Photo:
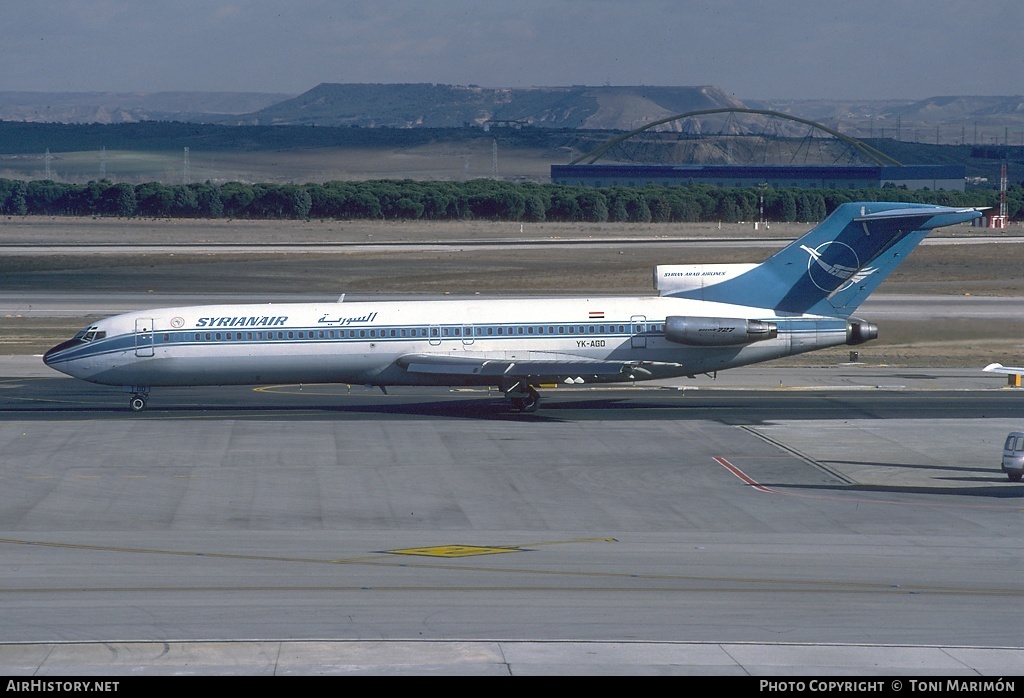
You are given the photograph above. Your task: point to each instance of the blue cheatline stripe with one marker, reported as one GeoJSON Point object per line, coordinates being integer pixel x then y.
{"type": "Point", "coordinates": [181, 338]}
{"type": "Point", "coordinates": [185, 338]}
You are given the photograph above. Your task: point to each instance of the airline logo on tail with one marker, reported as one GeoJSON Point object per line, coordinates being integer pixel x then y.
{"type": "Point", "coordinates": [844, 268]}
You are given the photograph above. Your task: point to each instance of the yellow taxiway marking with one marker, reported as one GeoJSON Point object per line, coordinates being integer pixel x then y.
{"type": "Point", "coordinates": [471, 550]}
{"type": "Point", "coordinates": [455, 551]}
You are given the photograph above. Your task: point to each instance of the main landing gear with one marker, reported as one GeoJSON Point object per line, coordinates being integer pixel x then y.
{"type": "Point", "coordinates": [525, 398]}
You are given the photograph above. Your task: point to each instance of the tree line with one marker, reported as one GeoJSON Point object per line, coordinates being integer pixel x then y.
{"type": "Point", "coordinates": [481, 199]}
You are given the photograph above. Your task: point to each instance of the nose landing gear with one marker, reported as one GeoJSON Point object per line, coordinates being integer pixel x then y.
{"type": "Point", "coordinates": [138, 399]}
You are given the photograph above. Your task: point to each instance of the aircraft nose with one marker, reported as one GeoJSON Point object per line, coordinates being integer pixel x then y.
{"type": "Point", "coordinates": [54, 351]}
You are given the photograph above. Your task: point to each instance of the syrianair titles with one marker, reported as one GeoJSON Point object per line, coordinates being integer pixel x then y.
{"type": "Point", "coordinates": [236, 321]}
{"type": "Point", "coordinates": [705, 318]}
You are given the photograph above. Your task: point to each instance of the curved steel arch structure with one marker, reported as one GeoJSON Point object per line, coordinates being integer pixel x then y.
{"type": "Point", "coordinates": [876, 156]}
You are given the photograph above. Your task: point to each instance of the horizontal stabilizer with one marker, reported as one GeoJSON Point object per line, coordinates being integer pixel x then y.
{"type": "Point", "coordinates": [918, 213]}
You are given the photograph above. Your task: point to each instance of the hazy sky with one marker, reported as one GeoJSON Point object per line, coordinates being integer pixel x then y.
{"type": "Point", "coordinates": [857, 49]}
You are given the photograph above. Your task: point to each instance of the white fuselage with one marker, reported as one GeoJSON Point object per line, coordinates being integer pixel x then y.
{"type": "Point", "coordinates": [363, 342]}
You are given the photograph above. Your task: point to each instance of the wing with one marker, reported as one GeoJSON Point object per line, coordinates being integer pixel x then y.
{"type": "Point", "coordinates": [531, 365]}
{"type": "Point", "coordinates": [999, 368]}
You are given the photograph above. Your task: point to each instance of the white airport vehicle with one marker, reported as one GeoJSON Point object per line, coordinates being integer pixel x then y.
{"type": "Point", "coordinates": [1013, 455]}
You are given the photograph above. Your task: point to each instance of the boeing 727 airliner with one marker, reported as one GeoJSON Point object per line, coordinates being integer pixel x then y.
{"type": "Point", "coordinates": [705, 318]}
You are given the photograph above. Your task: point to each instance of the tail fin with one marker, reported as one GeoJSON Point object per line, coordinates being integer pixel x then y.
{"type": "Point", "coordinates": [835, 266]}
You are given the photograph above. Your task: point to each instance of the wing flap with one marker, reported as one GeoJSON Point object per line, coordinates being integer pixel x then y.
{"type": "Point", "coordinates": [496, 367]}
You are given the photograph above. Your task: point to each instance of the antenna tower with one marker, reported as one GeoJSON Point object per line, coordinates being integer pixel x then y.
{"type": "Point", "coordinates": [1002, 193]}
{"type": "Point", "coordinates": [186, 174]}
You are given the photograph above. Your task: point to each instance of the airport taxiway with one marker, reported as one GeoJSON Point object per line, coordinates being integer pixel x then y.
{"type": "Point", "coordinates": [844, 520]}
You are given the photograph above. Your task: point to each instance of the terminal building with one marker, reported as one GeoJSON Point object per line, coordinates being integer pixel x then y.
{"type": "Point", "coordinates": [934, 177]}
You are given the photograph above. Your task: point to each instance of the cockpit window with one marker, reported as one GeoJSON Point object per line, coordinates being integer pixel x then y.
{"type": "Point", "coordinates": [89, 334]}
